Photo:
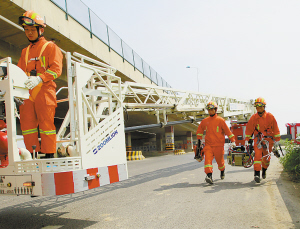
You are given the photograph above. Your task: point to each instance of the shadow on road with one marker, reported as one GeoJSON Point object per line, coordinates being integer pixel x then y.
{"type": "Point", "coordinates": [216, 187]}
{"type": "Point", "coordinates": [243, 170]}
{"type": "Point", "coordinates": [37, 212]}
{"type": "Point", "coordinates": [36, 218]}
{"type": "Point", "coordinates": [290, 193]}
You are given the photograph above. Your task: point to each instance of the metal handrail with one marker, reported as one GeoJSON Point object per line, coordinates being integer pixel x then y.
{"type": "Point", "coordinates": [149, 73]}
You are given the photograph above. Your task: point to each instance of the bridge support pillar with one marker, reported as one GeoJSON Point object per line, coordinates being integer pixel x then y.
{"type": "Point", "coordinates": [128, 142]}
{"type": "Point", "coordinates": [189, 140]}
{"type": "Point", "coordinates": [169, 134]}
{"type": "Point", "coordinates": [159, 143]}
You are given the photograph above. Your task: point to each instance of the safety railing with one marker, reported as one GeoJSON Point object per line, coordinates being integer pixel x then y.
{"type": "Point", "coordinates": [88, 19]}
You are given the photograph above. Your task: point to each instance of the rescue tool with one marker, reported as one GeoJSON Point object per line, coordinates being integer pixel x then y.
{"type": "Point", "coordinates": [244, 155]}
{"type": "Point", "coordinates": [241, 156]}
{"type": "Point", "coordinates": [199, 153]}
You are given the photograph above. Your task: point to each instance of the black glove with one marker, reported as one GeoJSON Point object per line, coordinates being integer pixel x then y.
{"type": "Point", "coordinates": [198, 149]}
{"type": "Point", "coordinates": [199, 154]}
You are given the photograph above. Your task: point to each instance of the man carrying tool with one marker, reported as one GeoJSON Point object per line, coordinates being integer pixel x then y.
{"type": "Point", "coordinates": [42, 62]}
{"type": "Point", "coordinates": [215, 128]}
{"type": "Point", "coordinates": [266, 133]}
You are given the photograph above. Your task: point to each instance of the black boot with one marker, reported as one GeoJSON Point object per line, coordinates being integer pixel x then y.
{"type": "Point", "coordinates": [264, 173]}
{"type": "Point", "coordinates": [222, 175]}
{"type": "Point", "coordinates": [257, 176]}
{"type": "Point", "coordinates": [209, 179]}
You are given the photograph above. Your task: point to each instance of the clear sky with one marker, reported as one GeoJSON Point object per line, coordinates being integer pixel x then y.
{"type": "Point", "coordinates": [242, 48]}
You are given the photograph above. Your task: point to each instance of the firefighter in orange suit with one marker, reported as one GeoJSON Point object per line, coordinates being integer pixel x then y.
{"type": "Point", "coordinates": [215, 128]}
{"type": "Point", "coordinates": [264, 127]}
{"type": "Point", "coordinates": [42, 62]}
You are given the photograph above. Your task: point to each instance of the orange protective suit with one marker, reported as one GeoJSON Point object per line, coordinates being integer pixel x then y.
{"type": "Point", "coordinates": [39, 110]}
{"type": "Point", "coordinates": [266, 125]}
{"type": "Point", "coordinates": [215, 128]}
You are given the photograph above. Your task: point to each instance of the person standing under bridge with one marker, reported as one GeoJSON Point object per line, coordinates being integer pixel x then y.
{"type": "Point", "coordinates": [42, 63]}
{"type": "Point", "coordinates": [215, 128]}
{"type": "Point", "coordinates": [266, 134]}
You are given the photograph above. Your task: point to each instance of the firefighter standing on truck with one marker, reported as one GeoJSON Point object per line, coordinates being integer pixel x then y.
{"type": "Point", "coordinates": [263, 126]}
{"type": "Point", "coordinates": [42, 62]}
{"type": "Point", "coordinates": [215, 128]}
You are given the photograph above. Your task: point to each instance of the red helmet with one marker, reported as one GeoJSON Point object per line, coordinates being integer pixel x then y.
{"type": "Point", "coordinates": [260, 102]}
{"type": "Point", "coordinates": [31, 18]}
{"type": "Point", "coordinates": [211, 105]}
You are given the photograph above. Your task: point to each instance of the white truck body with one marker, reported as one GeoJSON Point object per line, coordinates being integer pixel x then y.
{"type": "Point", "coordinates": [97, 136]}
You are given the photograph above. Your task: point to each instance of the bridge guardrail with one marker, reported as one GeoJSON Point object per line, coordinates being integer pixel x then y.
{"type": "Point", "coordinates": [88, 19]}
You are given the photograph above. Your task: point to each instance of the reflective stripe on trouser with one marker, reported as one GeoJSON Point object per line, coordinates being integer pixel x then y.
{"type": "Point", "coordinates": [258, 160]}
{"type": "Point", "coordinates": [38, 114]}
{"type": "Point", "coordinates": [210, 152]}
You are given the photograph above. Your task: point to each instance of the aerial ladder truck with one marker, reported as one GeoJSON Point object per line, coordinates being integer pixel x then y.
{"type": "Point", "coordinates": [98, 140]}
{"type": "Point", "coordinates": [93, 128]}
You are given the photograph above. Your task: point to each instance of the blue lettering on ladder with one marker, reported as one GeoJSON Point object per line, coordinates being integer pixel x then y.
{"type": "Point", "coordinates": [102, 144]}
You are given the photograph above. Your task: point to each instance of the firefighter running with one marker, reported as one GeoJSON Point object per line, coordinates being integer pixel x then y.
{"type": "Point", "coordinates": [42, 62]}
{"type": "Point", "coordinates": [266, 133]}
{"type": "Point", "coordinates": [215, 128]}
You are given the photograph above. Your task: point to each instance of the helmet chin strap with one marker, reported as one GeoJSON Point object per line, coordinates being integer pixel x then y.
{"type": "Point", "coordinates": [261, 113]}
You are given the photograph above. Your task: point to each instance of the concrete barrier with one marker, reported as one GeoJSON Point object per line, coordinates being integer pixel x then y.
{"type": "Point", "coordinates": [155, 153]}
{"type": "Point", "coordinates": [179, 151]}
{"type": "Point", "coordinates": [134, 155]}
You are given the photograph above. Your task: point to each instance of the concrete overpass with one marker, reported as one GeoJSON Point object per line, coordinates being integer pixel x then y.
{"type": "Point", "coordinates": [76, 28]}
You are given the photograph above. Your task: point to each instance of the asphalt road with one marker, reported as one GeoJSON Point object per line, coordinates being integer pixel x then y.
{"type": "Point", "coordinates": [164, 192]}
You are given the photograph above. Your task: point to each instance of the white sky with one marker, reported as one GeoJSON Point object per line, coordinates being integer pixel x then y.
{"type": "Point", "coordinates": [242, 48]}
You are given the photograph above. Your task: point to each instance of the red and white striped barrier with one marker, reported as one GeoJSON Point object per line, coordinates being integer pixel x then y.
{"type": "Point", "coordinates": [63, 183]}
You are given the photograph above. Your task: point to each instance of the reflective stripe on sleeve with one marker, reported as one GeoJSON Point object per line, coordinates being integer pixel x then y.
{"type": "Point", "coordinates": [52, 73]}
{"type": "Point", "coordinates": [231, 136]}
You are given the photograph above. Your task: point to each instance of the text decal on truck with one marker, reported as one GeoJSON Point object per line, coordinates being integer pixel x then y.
{"type": "Point", "coordinates": [102, 144]}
